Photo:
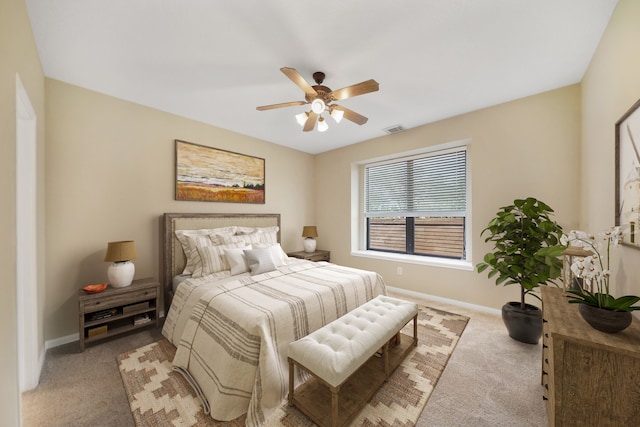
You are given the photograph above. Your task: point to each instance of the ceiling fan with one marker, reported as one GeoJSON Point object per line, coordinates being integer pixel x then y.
{"type": "Point", "coordinates": [321, 97]}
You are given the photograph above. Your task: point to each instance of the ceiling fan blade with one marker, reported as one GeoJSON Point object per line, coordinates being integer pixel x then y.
{"type": "Point", "coordinates": [311, 122]}
{"type": "Point", "coordinates": [299, 81]}
{"type": "Point", "coordinates": [355, 90]}
{"type": "Point", "coordinates": [351, 115]}
{"type": "Point", "coordinates": [282, 105]}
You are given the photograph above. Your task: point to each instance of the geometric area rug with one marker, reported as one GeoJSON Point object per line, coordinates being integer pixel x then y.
{"type": "Point", "coordinates": [158, 396]}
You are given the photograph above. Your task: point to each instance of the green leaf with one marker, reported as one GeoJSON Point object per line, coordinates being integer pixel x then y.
{"type": "Point", "coordinates": [489, 258]}
{"type": "Point", "coordinates": [510, 218]}
{"type": "Point", "coordinates": [624, 303]}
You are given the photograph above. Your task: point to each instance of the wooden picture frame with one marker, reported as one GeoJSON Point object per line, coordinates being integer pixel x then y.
{"type": "Point", "coordinates": [213, 175]}
{"type": "Point", "coordinates": [628, 175]}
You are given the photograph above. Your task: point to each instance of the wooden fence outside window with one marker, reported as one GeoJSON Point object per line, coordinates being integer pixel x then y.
{"type": "Point", "coordinates": [443, 237]}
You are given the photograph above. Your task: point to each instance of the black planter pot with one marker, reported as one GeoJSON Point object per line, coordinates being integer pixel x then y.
{"type": "Point", "coordinates": [605, 320]}
{"type": "Point", "coordinates": [523, 325]}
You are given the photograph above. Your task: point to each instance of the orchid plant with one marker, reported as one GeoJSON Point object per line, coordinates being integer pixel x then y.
{"type": "Point", "coordinates": [595, 270]}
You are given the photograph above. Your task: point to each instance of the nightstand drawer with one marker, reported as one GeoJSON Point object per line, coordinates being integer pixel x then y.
{"type": "Point", "coordinates": [92, 305]}
{"type": "Point", "coordinates": [318, 255]}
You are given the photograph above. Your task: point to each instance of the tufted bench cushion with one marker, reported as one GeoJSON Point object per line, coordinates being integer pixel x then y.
{"type": "Point", "coordinates": [340, 354]}
{"type": "Point", "coordinates": [337, 350]}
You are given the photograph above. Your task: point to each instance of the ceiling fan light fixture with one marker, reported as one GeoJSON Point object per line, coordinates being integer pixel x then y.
{"type": "Point", "coordinates": [337, 114]}
{"type": "Point", "coordinates": [302, 118]}
{"type": "Point", "coordinates": [322, 125]}
{"type": "Point", "coordinates": [320, 98]}
{"type": "Point", "coordinates": [318, 106]}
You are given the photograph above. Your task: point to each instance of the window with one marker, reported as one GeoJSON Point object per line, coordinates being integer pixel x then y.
{"type": "Point", "coordinates": [418, 205]}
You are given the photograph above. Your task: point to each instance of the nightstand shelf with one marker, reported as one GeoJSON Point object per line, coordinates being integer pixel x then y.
{"type": "Point", "coordinates": [318, 255]}
{"type": "Point", "coordinates": [113, 311]}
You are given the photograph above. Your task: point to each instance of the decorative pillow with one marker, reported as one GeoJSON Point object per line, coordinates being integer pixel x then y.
{"type": "Point", "coordinates": [247, 239]}
{"type": "Point", "coordinates": [237, 260]}
{"type": "Point", "coordinates": [189, 249]}
{"type": "Point", "coordinates": [260, 260]}
{"type": "Point", "coordinates": [269, 234]}
{"type": "Point", "coordinates": [213, 259]}
{"type": "Point", "coordinates": [277, 254]}
{"type": "Point", "coordinates": [216, 238]}
{"type": "Point", "coordinates": [191, 253]}
{"type": "Point", "coordinates": [245, 230]}
{"type": "Point", "coordinates": [260, 235]}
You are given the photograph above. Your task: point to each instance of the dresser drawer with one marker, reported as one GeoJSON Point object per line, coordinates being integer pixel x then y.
{"type": "Point", "coordinates": [320, 257]}
{"type": "Point", "coordinates": [97, 304]}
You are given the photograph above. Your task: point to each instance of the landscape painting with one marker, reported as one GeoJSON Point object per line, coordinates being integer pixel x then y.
{"type": "Point", "coordinates": [628, 175]}
{"type": "Point", "coordinates": [213, 175]}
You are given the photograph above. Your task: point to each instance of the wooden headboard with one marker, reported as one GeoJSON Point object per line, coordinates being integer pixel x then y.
{"type": "Point", "coordinates": [173, 258]}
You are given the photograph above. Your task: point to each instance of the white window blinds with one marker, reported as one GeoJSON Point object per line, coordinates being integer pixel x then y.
{"type": "Point", "coordinates": [428, 185]}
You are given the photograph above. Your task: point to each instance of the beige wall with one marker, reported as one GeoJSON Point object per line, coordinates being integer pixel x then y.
{"type": "Point", "coordinates": [111, 175]}
{"type": "Point", "coordinates": [610, 87]}
{"type": "Point", "coordinates": [522, 148]}
{"type": "Point", "coordinates": [18, 54]}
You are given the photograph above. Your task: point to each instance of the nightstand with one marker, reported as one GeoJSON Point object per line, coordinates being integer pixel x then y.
{"type": "Point", "coordinates": [318, 255]}
{"type": "Point", "coordinates": [115, 311]}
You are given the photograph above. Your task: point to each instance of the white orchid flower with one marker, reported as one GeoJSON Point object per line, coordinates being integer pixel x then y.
{"type": "Point", "coordinates": [594, 269]}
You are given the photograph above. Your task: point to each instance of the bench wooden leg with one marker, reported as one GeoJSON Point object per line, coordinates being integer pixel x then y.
{"type": "Point", "coordinates": [385, 356]}
{"type": "Point", "coordinates": [415, 330]}
{"type": "Point", "coordinates": [291, 374]}
{"type": "Point", "coordinates": [334, 405]}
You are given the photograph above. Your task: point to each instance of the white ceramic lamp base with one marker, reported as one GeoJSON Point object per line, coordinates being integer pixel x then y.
{"type": "Point", "coordinates": [309, 244]}
{"type": "Point", "coordinates": [120, 274]}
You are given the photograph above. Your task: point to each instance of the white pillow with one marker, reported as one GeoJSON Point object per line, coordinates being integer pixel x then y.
{"type": "Point", "coordinates": [245, 230]}
{"type": "Point", "coordinates": [260, 260]}
{"type": "Point", "coordinates": [189, 247]}
{"type": "Point", "coordinates": [247, 239]}
{"type": "Point", "coordinates": [237, 260]}
{"type": "Point", "coordinates": [269, 234]}
{"type": "Point", "coordinates": [213, 259]}
{"type": "Point", "coordinates": [277, 254]}
{"type": "Point", "coordinates": [191, 253]}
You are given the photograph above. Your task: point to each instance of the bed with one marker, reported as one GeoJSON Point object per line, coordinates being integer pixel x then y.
{"type": "Point", "coordinates": [231, 330]}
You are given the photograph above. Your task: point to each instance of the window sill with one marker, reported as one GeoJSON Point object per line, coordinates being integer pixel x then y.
{"type": "Point", "coordinates": [415, 259]}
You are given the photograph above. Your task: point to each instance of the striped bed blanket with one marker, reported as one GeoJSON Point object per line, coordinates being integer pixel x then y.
{"type": "Point", "coordinates": [232, 334]}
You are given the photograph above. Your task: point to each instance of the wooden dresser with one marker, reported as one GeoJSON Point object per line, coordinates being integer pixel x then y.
{"type": "Point", "coordinates": [590, 378]}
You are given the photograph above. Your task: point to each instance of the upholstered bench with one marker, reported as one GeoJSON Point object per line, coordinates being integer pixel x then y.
{"type": "Point", "coordinates": [356, 354]}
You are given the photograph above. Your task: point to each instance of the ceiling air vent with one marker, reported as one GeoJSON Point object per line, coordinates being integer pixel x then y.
{"type": "Point", "coordinates": [394, 129]}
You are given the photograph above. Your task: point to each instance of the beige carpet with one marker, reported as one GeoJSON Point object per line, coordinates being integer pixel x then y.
{"type": "Point", "coordinates": [158, 396]}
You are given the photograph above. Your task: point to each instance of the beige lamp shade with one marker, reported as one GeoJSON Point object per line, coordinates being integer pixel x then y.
{"type": "Point", "coordinates": [309, 231]}
{"type": "Point", "coordinates": [121, 251]}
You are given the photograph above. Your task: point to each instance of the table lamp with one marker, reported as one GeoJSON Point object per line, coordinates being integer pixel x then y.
{"type": "Point", "coordinates": [309, 232]}
{"type": "Point", "coordinates": [121, 269]}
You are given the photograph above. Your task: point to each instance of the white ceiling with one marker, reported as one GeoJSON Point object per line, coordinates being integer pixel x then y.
{"type": "Point", "coordinates": [215, 61]}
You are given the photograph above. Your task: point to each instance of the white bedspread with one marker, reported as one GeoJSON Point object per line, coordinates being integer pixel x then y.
{"type": "Point", "coordinates": [232, 334]}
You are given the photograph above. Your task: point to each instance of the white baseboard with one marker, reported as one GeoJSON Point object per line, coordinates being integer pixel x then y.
{"type": "Point", "coordinates": [463, 304]}
{"type": "Point", "coordinates": [56, 342]}
{"type": "Point", "coordinates": [41, 358]}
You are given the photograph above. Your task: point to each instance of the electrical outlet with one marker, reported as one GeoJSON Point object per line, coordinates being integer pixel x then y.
{"type": "Point", "coordinates": [399, 271]}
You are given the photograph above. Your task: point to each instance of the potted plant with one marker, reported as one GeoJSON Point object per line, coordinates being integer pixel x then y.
{"type": "Point", "coordinates": [598, 307]}
{"type": "Point", "coordinates": [526, 252]}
